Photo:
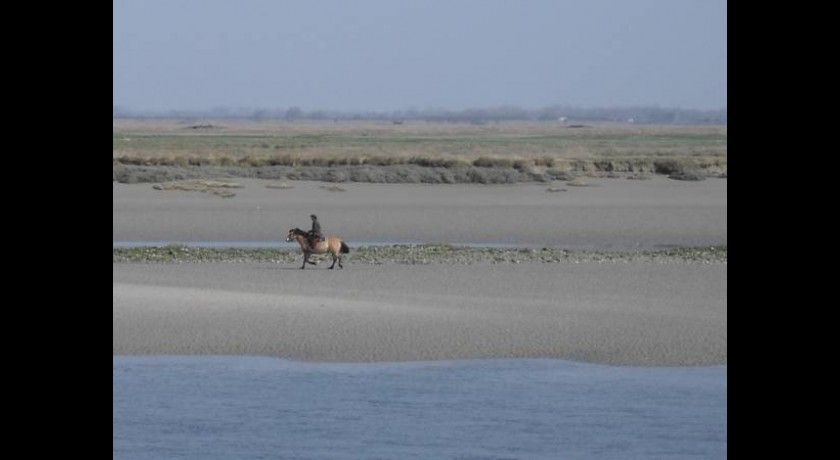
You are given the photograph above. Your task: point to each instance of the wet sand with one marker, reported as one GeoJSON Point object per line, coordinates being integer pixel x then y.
{"type": "Point", "coordinates": [607, 214]}
{"type": "Point", "coordinates": [636, 313]}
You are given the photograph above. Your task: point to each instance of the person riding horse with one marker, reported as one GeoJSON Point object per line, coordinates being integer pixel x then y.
{"type": "Point", "coordinates": [315, 234]}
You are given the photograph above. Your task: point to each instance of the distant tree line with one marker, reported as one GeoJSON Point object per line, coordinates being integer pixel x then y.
{"type": "Point", "coordinates": [558, 113]}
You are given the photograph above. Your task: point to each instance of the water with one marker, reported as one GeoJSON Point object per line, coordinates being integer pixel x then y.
{"type": "Point", "coordinates": [251, 407]}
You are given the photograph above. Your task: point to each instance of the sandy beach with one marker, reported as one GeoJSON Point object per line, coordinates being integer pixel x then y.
{"type": "Point", "coordinates": [634, 313]}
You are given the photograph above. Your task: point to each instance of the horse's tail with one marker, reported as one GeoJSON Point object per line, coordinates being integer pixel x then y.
{"type": "Point", "coordinates": [344, 248]}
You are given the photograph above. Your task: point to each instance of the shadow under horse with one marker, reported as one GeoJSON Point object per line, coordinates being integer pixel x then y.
{"type": "Point", "coordinates": [331, 244]}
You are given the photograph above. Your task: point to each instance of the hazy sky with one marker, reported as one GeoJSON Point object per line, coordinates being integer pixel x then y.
{"type": "Point", "coordinates": [383, 55]}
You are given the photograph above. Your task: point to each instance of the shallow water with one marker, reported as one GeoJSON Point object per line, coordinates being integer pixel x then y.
{"type": "Point", "coordinates": [253, 407]}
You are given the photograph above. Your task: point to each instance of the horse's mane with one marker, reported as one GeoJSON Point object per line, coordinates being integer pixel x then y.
{"type": "Point", "coordinates": [297, 231]}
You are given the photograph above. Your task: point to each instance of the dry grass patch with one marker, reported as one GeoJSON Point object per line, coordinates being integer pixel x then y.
{"type": "Point", "coordinates": [280, 186]}
{"type": "Point", "coordinates": [578, 183]}
{"type": "Point", "coordinates": [332, 188]}
{"type": "Point", "coordinates": [218, 188]}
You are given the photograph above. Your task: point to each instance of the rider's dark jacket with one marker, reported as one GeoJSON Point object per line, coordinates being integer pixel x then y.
{"type": "Point", "coordinates": [316, 229]}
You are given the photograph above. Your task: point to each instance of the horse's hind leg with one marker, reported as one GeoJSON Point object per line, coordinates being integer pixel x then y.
{"type": "Point", "coordinates": [334, 259]}
{"type": "Point", "coordinates": [339, 263]}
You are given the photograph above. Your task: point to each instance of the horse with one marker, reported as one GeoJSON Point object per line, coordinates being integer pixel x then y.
{"type": "Point", "coordinates": [332, 244]}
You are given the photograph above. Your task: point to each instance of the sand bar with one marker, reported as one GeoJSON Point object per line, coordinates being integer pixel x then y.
{"type": "Point", "coordinates": [634, 313]}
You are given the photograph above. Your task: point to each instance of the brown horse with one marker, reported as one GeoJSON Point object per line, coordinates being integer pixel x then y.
{"type": "Point", "coordinates": [332, 244]}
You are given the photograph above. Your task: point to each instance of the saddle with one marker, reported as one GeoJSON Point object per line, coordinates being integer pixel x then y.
{"type": "Point", "coordinates": [313, 240]}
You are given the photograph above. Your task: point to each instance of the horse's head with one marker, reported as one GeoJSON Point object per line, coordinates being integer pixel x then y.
{"type": "Point", "coordinates": [292, 232]}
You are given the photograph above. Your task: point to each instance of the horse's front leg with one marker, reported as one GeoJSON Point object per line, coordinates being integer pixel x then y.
{"type": "Point", "coordinates": [305, 259]}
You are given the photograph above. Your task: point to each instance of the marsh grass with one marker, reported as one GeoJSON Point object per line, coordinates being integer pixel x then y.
{"type": "Point", "coordinates": [538, 149]}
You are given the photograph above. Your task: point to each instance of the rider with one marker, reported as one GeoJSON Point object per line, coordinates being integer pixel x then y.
{"type": "Point", "coordinates": [315, 234]}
